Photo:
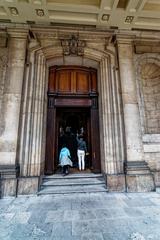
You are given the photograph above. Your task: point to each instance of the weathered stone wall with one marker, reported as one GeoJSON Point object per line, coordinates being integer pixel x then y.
{"type": "Point", "coordinates": [150, 75]}
{"type": "Point", "coordinates": [12, 60]}
{"type": "Point", "coordinates": [151, 144]}
{"type": "Point", "coordinates": [46, 50]}
{"type": "Point", "coordinates": [148, 81]}
{"type": "Point", "coordinates": [123, 126]}
{"type": "Point", "coordinates": [148, 86]}
{"type": "Point", "coordinates": [11, 86]}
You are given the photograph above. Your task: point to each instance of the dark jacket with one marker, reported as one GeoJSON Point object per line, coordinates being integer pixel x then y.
{"type": "Point", "coordinates": [81, 144]}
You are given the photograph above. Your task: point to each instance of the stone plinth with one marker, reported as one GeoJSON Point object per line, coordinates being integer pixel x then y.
{"type": "Point", "coordinates": [116, 183]}
{"type": "Point", "coordinates": [8, 187]}
{"type": "Point", "coordinates": [157, 178]}
{"type": "Point", "coordinates": [8, 174]}
{"type": "Point", "coordinates": [28, 185]}
{"type": "Point", "coordinates": [139, 177]}
{"type": "Point", "coordinates": [140, 183]}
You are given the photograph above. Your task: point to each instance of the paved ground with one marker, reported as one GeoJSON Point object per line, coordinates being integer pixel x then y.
{"type": "Point", "coordinates": [94, 216]}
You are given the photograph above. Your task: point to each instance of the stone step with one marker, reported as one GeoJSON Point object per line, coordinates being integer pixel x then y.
{"type": "Point", "coordinates": [73, 181]}
{"type": "Point", "coordinates": [74, 175]}
{"type": "Point", "coordinates": [72, 189]}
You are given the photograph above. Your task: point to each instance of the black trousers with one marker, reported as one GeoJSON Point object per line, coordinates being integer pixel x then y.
{"type": "Point", "coordinates": [65, 169]}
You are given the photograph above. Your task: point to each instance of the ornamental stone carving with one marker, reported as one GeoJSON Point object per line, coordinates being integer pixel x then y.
{"type": "Point", "coordinates": [73, 46]}
{"type": "Point", "coordinates": [150, 71]}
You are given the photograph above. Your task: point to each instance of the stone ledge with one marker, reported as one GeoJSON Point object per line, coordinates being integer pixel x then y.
{"type": "Point", "coordinates": [136, 168]}
{"type": "Point", "coordinates": [151, 148]}
{"type": "Point", "coordinates": [9, 171]}
{"type": "Point", "coordinates": [146, 47]}
{"type": "Point", "coordinates": [151, 138]}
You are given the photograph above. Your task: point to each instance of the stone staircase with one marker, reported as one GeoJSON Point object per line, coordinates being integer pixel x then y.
{"type": "Point", "coordinates": [72, 183]}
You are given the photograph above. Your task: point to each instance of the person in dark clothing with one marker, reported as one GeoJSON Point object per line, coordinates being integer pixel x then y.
{"type": "Point", "coordinates": [81, 149]}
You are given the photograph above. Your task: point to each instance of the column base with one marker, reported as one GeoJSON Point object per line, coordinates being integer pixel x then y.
{"type": "Point", "coordinates": [140, 183]}
{"type": "Point", "coordinates": [28, 185]}
{"type": "Point", "coordinates": [8, 180]}
{"type": "Point", "coordinates": [8, 187]}
{"type": "Point", "coordinates": [156, 174]}
{"type": "Point", "coordinates": [139, 177]}
{"type": "Point", "coordinates": [116, 182]}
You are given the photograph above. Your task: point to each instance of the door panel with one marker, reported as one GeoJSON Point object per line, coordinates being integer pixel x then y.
{"type": "Point", "coordinates": [72, 99]}
{"type": "Point", "coordinates": [82, 82]}
{"type": "Point", "coordinates": [76, 80]}
{"type": "Point", "coordinates": [64, 81]}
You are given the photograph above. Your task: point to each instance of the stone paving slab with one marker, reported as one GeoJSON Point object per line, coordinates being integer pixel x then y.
{"type": "Point", "coordinates": [90, 216]}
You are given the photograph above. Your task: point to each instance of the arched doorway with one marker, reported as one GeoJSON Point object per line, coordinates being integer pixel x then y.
{"type": "Point", "coordinates": [72, 108]}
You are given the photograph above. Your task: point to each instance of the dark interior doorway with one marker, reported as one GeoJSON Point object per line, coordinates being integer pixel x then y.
{"type": "Point", "coordinates": [69, 122]}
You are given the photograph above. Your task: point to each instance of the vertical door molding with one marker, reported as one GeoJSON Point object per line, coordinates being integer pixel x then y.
{"type": "Point", "coordinates": [95, 144]}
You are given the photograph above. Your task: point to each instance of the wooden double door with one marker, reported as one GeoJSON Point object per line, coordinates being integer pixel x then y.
{"type": "Point", "coordinates": [72, 109]}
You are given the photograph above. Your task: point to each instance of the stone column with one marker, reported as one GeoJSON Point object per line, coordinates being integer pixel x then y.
{"type": "Point", "coordinates": [111, 125]}
{"type": "Point", "coordinates": [12, 101]}
{"type": "Point", "coordinates": [135, 165]}
{"type": "Point", "coordinates": [31, 151]}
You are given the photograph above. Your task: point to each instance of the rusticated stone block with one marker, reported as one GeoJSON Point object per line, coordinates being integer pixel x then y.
{"type": "Point", "coordinates": [140, 183]}
{"type": "Point", "coordinates": [157, 178]}
{"type": "Point", "coordinates": [28, 185]}
{"type": "Point", "coordinates": [116, 183]}
{"type": "Point", "coordinates": [8, 187]}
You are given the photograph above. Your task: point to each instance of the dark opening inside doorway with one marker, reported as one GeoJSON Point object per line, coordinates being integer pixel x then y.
{"type": "Point", "coordinates": [69, 122]}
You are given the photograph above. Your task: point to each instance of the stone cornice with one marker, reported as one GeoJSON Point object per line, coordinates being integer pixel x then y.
{"type": "Point", "coordinates": [85, 35]}
{"type": "Point", "coordinates": [87, 32]}
{"type": "Point", "coordinates": [147, 46]}
{"type": "Point", "coordinates": [20, 33]}
{"type": "Point", "coordinates": [124, 39]}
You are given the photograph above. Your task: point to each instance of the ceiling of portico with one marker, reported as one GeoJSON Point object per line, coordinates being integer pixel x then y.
{"type": "Point", "coordinates": [121, 14]}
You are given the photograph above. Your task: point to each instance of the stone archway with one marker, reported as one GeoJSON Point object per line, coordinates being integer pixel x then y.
{"type": "Point", "coordinates": [34, 104]}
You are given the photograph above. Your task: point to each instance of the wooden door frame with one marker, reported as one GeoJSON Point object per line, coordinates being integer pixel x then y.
{"type": "Point", "coordinates": [55, 102]}
{"type": "Point", "coordinates": [72, 86]}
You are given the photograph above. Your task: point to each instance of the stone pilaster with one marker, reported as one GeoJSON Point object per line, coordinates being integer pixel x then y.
{"type": "Point", "coordinates": [17, 40]}
{"type": "Point", "coordinates": [138, 174]}
{"type": "Point", "coordinates": [112, 129]}
{"type": "Point", "coordinates": [12, 95]}
{"type": "Point", "coordinates": [31, 151]}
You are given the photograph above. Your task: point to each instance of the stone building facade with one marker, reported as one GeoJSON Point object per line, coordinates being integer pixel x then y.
{"type": "Point", "coordinates": [128, 75]}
